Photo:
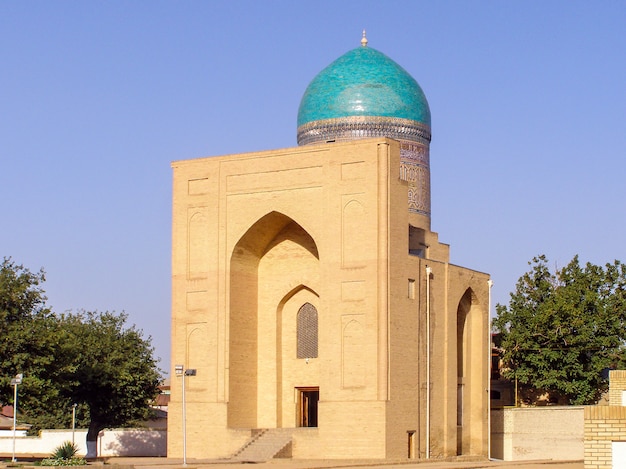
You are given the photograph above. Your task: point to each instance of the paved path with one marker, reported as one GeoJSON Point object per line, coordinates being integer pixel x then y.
{"type": "Point", "coordinates": [171, 463]}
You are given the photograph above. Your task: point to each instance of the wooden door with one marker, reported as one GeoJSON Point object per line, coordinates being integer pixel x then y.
{"type": "Point", "coordinates": [307, 406]}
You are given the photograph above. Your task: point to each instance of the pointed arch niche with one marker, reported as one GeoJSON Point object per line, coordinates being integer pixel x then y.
{"type": "Point", "coordinates": [274, 270]}
{"type": "Point", "coordinates": [469, 368]}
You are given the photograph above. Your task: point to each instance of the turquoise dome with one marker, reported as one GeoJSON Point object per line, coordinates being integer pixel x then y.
{"type": "Point", "coordinates": [363, 82]}
{"type": "Point", "coordinates": [364, 94]}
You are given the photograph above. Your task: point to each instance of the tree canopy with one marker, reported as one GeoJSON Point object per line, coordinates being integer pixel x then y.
{"type": "Point", "coordinates": [562, 330]}
{"type": "Point", "coordinates": [112, 370]}
{"type": "Point", "coordinates": [28, 333]}
{"type": "Point", "coordinates": [90, 359]}
{"type": "Point", "coordinates": [21, 294]}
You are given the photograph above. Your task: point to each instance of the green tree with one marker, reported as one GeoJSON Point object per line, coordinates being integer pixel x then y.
{"type": "Point", "coordinates": [29, 339]}
{"type": "Point", "coordinates": [90, 359]}
{"type": "Point", "coordinates": [113, 374]}
{"type": "Point", "coordinates": [21, 294]}
{"type": "Point", "coordinates": [561, 331]}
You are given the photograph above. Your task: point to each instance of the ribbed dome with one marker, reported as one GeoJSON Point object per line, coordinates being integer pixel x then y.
{"type": "Point", "coordinates": [362, 83]}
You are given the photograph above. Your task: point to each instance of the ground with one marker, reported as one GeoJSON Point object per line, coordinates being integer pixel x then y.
{"type": "Point", "coordinates": [164, 463]}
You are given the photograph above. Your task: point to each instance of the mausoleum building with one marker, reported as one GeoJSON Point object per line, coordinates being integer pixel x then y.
{"type": "Point", "coordinates": [310, 295]}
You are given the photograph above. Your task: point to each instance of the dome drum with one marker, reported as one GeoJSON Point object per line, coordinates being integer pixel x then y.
{"type": "Point", "coordinates": [357, 127]}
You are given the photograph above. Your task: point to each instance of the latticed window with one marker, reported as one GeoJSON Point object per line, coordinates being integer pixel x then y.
{"type": "Point", "coordinates": [307, 331]}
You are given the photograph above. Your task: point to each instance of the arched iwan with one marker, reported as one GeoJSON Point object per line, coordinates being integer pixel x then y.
{"type": "Point", "coordinates": [268, 264]}
{"type": "Point", "coordinates": [469, 372]}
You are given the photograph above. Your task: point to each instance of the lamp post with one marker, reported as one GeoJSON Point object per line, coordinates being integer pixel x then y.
{"type": "Point", "coordinates": [489, 352]}
{"type": "Point", "coordinates": [182, 372]}
{"type": "Point", "coordinates": [14, 382]}
{"type": "Point", "coordinates": [73, 422]}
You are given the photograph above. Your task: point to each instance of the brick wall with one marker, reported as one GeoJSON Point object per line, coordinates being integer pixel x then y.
{"type": "Point", "coordinates": [617, 380]}
{"type": "Point", "coordinates": [605, 425]}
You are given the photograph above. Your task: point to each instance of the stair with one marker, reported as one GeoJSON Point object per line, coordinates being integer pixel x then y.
{"type": "Point", "coordinates": [265, 444]}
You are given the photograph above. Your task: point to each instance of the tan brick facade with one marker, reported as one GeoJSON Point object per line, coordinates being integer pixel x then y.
{"type": "Point", "coordinates": [255, 237]}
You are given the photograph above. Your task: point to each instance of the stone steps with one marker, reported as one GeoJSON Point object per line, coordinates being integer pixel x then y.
{"type": "Point", "coordinates": [264, 445]}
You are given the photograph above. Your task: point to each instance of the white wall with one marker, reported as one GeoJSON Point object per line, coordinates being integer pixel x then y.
{"type": "Point", "coordinates": [122, 442]}
{"type": "Point", "coordinates": [526, 433]}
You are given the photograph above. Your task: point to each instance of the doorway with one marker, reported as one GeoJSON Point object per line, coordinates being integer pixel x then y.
{"type": "Point", "coordinates": [307, 406]}
{"type": "Point", "coordinates": [411, 444]}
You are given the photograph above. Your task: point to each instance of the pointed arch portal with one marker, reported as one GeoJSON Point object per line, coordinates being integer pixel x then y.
{"type": "Point", "coordinates": [469, 370]}
{"type": "Point", "coordinates": [274, 273]}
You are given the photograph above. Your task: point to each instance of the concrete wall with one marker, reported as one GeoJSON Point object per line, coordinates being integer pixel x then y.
{"type": "Point", "coordinates": [123, 442]}
{"type": "Point", "coordinates": [527, 433]}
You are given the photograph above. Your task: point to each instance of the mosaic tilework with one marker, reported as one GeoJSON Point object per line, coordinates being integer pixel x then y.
{"type": "Point", "coordinates": [365, 94]}
{"type": "Point", "coordinates": [363, 82]}
{"type": "Point", "coordinates": [415, 169]}
{"type": "Point", "coordinates": [357, 127]}
{"type": "Point", "coordinates": [414, 150]}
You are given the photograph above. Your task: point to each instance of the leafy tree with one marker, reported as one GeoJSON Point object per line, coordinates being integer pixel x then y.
{"type": "Point", "coordinates": [113, 372]}
{"type": "Point", "coordinates": [29, 336]}
{"type": "Point", "coordinates": [21, 294]}
{"type": "Point", "coordinates": [93, 360]}
{"type": "Point", "coordinates": [562, 330]}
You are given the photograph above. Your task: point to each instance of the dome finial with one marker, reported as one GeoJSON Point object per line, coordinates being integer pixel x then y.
{"type": "Point", "coordinates": [364, 40]}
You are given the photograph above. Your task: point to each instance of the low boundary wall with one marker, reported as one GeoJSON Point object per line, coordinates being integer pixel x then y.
{"type": "Point", "coordinates": [525, 433]}
{"type": "Point", "coordinates": [605, 432]}
{"type": "Point", "coordinates": [120, 442]}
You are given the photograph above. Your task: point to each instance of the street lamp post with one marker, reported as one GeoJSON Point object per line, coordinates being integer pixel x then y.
{"type": "Point", "coordinates": [14, 382]}
{"type": "Point", "coordinates": [73, 422]}
{"type": "Point", "coordinates": [182, 372]}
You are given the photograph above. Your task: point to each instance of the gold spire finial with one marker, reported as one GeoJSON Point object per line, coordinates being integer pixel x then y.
{"type": "Point", "coordinates": [364, 40]}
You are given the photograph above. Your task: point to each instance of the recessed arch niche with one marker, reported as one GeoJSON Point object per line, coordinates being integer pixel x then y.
{"type": "Point", "coordinates": [469, 369]}
{"type": "Point", "coordinates": [275, 264]}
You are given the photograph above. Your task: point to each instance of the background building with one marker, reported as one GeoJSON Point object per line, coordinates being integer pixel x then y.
{"type": "Point", "coordinates": [311, 295]}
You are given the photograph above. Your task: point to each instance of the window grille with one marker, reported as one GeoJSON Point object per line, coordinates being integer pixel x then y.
{"type": "Point", "coordinates": [307, 331]}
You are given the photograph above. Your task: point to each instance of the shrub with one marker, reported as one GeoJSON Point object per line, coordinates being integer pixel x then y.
{"type": "Point", "coordinates": [64, 455]}
{"type": "Point", "coordinates": [65, 451]}
{"type": "Point", "coordinates": [63, 462]}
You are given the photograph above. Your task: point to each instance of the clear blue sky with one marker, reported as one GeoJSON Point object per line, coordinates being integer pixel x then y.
{"type": "Point", "coordinates": [528, 103]}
